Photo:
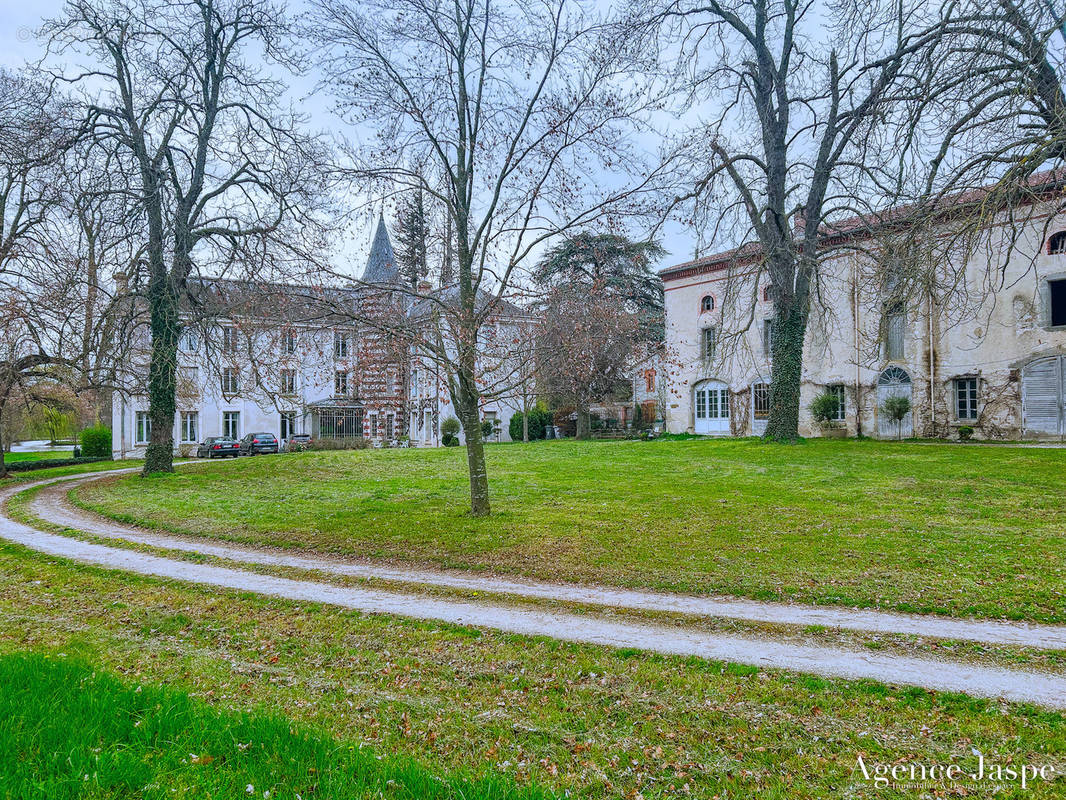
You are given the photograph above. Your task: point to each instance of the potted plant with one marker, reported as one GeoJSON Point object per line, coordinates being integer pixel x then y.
{"type": "Point", "coordinates": [896, 408]}
{"type": "Point", "coordinates": [825, 409]}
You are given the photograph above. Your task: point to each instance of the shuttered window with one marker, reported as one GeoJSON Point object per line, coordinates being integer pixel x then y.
{"type": "Point", "coordinates": [710, 339]}
{"type": "Point", "coordinates": [894, 323]}
{"type": "Point", "coordinates": [1042, 395]}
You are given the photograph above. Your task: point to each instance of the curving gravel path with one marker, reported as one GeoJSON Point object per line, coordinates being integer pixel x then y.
{"type": "Point", "coordinates": [52, 504]}
{"type": "Point", "coordinates": [1010, 684]}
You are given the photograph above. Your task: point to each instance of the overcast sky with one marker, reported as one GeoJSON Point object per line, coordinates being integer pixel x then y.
{"type": "Point", "coordinates": [20, 19]}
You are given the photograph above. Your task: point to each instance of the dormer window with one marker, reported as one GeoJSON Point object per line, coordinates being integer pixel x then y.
{"type": "Point", "coordinates": [707, 303]}
{"type": "Point", "coordinates": [766, 293]}
{"type": "Point", "coordinates": [1056, 244]}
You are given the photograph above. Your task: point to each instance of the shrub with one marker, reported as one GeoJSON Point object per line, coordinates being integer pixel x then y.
{"type": "Point", "coordinates": [965, 432]}
{"type": "Point", "coordinates": [96, 442]}
{"type": "Point", "coordinates": [488, 428]}
{"type": "Point", "coordinates": [348, 443]}
{"type": "Point", "coordinates": [824, 409]}
{"type": "Point", "coordinates": [539, 419]}
{"type": "Point", "coordinates": [449, 427]}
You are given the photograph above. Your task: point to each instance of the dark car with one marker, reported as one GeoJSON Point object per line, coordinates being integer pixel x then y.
{"type": "Point", "coordinates": [217, 447]}
{"type": "Point", "coordinates": [296, 442]}
{"type": "Point", "coordinates": [256, 443]}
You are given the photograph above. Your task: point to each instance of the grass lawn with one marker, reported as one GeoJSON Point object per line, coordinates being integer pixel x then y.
{"type": "Point", "coordinates": [929, 528]}
{"type": "Point", "coordinates": [11, 458]}
{"type": "Point", "coordinates": [72, 732]}
{"type": "Point", "coordinates": [466, 706]}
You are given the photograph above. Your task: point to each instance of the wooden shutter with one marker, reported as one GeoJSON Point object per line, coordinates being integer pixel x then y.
{"type": "Point", "coordinates": [1042, 390]}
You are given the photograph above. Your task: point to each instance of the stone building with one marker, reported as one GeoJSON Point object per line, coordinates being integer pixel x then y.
{"type": "Point", "coordinates": [980, 342]}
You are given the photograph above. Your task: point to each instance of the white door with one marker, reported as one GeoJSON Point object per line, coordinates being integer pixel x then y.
{"type": "Point", "coordinates": [894, 382]}
{"type": "Point", "coordinates": [711, 403]}
{"type": "Point", "coordinates": [1043, 393]}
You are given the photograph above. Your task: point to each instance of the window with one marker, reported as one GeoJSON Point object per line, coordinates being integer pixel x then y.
{"type": "Point", "coordinates": [767, 336]}
{"type": "Point", "coordinates": [707, 303]}
{"type": "Point", "coordinates": [188, 379]}
{"type": "Point", "coordinates": [712, 403]}
{"type": "Point", "coordinates": [1056, 243]}
{"type": "Point", "coordinates": [190, 342]}
{"type": "Point", "coordinates": [389, 426]}
{"type": "Point", "coordinates": [190, 426]}
{"type": "Point", "coordinates": [837, 390]}
{"type": "Point", "coordinates": [966, 398]}
{"type": "Point", "coordinates": [231, 381]}
{"type": "Point", "coordinates": [1057, 301]}
{"type": "Point", "coordinates": [229, 340]}
{"type": "Point", "coordinates": [341, 341]}
{"type": "Point", "coordinates": [231, 424]}
{"type": "Point", "coordinates": [287, 426]}
{"type": "Point", "coordinates": [288, 342]}
{"type": "Point", "coordinates": [649, 380]}
{"type": "Point", "coordinates": [894, 321]}
{"type": "Point", "coordinates": [340, 383]}
{"type": "Point", "coordinates": [144, 427]}
{"type": "Point", "coordinates": [373, 425]}
{"type": "Point", "coordinates": [760, 401]}
{"type": "Point", "coordinates": [288, 381]}
{"type": "Point", "coordinates": [766, 293]}
{"type": "Point", "coordinates": [708, 339]}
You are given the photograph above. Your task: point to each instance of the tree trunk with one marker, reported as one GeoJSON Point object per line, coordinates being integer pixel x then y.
{"type": "Point", "coordinates": [162, 370]}
{"type": "Point", "coordinates": [584, 421]}
{"type": "Point", "coordinates": [475, 453]}
{"type": "Point", "coordinates": [788, 329]}
{"type": "Point", "coordinates": [525, 422]}
{"type": "Point", "coordinates": [3, 461]}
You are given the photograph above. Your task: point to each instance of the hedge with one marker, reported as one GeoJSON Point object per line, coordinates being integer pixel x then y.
{"type": "Point", "coordinates": [96, 442]}
{"type": "Point", "coordinates": [47, 463]}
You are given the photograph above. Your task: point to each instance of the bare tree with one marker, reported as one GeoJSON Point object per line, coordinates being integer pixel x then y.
{"type": "Point", "coordinates": [33, 309]}
{"type": "Point", "coordinates": [517, 116]}
{"type": "Point", "coordinates": [995, 88]}
{"type": "Point", "coordinates": [801, 99]}
{"type": "Point", "coordinates": [219, 167]}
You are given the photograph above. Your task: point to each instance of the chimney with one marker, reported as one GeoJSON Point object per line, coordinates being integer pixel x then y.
{"type": "Point", "coordinates": [122, 282]}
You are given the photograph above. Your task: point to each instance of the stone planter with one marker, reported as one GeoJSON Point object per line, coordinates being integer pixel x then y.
{"type": "Point", "coordinates": [835, 433]}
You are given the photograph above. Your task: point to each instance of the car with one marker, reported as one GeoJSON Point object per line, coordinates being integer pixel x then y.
{"type": "Point", "coordinates": [217, 447]}
{"type": "Point", "coordinates": [296, 442]}
{"type": "Point", "coordinates": [256, 443]}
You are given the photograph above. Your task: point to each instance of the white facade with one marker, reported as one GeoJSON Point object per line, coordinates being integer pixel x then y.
{"type": "Point", "coordinates": [989, 354]}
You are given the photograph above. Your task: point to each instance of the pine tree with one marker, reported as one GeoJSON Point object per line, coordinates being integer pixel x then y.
{"type": "Point", "coordinates": [411, 235]}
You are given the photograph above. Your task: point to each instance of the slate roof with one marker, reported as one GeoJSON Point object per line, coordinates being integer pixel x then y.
{"type": "Point", "coordinates": [381, 266]}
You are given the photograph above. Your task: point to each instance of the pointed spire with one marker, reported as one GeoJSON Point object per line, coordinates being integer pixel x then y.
{"type": "Point", "coordinates": [381, 264]}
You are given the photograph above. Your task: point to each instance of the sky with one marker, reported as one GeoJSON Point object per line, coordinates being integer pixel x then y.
{"type": "Point", "coordinates": [19, 21]}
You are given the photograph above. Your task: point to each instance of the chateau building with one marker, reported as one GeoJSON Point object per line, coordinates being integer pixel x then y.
{"type": "Point", "coordinates": [980, 343]}
{"type": "Point", "coordinates": [288, 359]}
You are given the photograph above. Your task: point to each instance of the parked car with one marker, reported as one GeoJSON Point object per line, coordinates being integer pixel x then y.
{"type": "Point", "coordinates": [298, 441]}
{"type": "Point", "coordinates": [217, 447]}
{"type": "Point", "coordinates": [256, 443]}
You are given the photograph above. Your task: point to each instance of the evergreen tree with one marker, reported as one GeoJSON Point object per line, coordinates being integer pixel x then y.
{"type": "Point", "coordinates": [411, 236]}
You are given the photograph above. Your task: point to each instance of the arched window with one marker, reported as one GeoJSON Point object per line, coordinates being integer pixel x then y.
{"type": "Point", "coordinates": [894, 376]}
{"type": "Point", "coordinates": [766, 293]}
{"type": "Point", "coordinates": [707, 303]}
{"type": "Point", "coordinates": [1056, 243]}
